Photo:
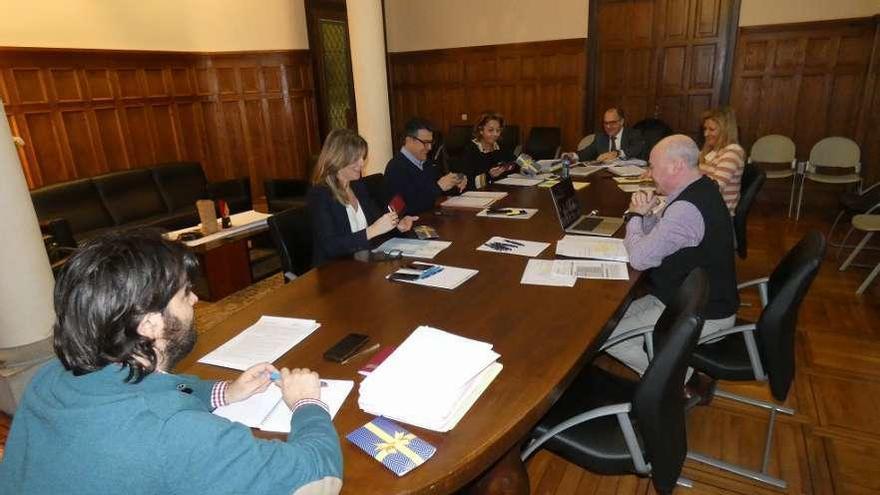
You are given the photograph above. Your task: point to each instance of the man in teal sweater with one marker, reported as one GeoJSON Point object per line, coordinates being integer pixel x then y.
{"type": "Point", "coordinates": [109, 415]}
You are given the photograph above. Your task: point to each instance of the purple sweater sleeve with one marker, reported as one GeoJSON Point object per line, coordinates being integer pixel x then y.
{"type": "Point", "coordinates": [651, 239]}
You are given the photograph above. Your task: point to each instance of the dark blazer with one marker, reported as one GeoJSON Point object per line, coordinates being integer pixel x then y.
{"type": "Point", "coordinates": [331, 232]}
{"type": "Point", "coordinates": [417, 187]}
{"type": "Point", "coordinates": [474, 162]}
{"type": "Point", "coordinates": [632, 144]}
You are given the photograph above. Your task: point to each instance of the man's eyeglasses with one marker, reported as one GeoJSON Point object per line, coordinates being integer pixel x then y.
{"type": "Point", "coordinates": [610, 122]}
{"type": "Point", "coordinates": [426, 143]}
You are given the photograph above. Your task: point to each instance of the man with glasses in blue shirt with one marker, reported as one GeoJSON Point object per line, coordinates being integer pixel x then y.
{"type": "Point", "coordinates": [413, 176]}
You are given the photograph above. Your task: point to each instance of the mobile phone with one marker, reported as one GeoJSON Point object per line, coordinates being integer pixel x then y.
{"type": "Point", "coordinates": [346, 348]}
{"type": "Point", "coordinates": [403, 276]}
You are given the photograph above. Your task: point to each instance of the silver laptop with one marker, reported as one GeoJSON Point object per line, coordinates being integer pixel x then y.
{"type": "Point", "coordinates": [571, 217]}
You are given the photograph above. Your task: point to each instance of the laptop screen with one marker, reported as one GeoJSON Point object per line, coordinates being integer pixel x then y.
{"type": "Point", "coordinates": [568, 208]}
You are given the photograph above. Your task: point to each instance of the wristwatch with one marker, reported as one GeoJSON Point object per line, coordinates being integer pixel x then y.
{"type": "Point", "coordinates": [631, 214]}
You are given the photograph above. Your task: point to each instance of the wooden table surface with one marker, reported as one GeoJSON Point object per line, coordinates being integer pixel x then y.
{"type": "Point", "coordinates": [544, 334]}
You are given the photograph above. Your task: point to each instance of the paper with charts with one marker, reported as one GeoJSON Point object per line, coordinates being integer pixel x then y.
{"type": "Point", "coordinates": [584, 246]}
{"type": "Point", "coordinates": [431, 380]}
{"type": "Point", "coordinates": [268, 411]}
{"type": "Point", "coordinates": [519, 247]}
{"type": "Point", "coordinates": [264, 341]}
{"type": "Point", "coordinates": [540, 272]}
{"type": "Point", "coordinates": [413, 248]}
{"type": "Point", "coordinates": [592, 269]}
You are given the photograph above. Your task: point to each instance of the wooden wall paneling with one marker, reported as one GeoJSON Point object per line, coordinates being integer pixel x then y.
{"type": "Point", "coordinates": [531, 84]}
{"type": "Point", "coordinates": [868, 132]}
{"type": "Point", "coordinates": [86, 112]}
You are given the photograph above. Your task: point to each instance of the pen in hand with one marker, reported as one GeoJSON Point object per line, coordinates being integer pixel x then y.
{"type": "Point", "coordinates": [275, 376]}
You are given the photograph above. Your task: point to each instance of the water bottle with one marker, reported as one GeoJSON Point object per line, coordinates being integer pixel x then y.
{"type": "Point", "coordinates": [566, 168]}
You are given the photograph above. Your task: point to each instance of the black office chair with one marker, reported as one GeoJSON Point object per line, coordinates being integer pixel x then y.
{"type": "Point", "coordinates": [453, 147]}
{"type": "Point", "coordinates": [543, 143]}
{"type": "Point", "coordinates": [610, 425]}
{"type": "Point", "coordinates": [752, 181]}
{"type": "Point", "coordinates": [509, 139]}
{"type": "Point", "coordinates": [376, 188]}
{"type": "Point", "coordinates": [764, 350]}
{"type": "Point", "coordinates": [437, 147]}
{"type": "Point", "coordinates": [283, 194]}
{"type": "Point", "coordinates": [652, 130]}
{"type": "Point", "coordinates": [291, 232]}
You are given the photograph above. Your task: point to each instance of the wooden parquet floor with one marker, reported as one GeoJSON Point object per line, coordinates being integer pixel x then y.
{"type": "Point", "coordinates": [832, 444]}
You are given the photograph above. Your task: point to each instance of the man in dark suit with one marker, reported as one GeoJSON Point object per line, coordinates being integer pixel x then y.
{"type": "Point", "coordinates": [617, 141]}
{"type": "Point", "coordinates": [413, 176]}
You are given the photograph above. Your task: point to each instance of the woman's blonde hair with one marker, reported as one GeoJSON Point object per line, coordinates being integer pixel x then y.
{"type": "Point", "coordinates": [725, 118]}
{"type": "Point", "coordinates": [341, 148]}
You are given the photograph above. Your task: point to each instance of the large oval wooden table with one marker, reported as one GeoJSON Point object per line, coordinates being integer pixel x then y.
{"type": "Point", "coordinates": [544, 335]}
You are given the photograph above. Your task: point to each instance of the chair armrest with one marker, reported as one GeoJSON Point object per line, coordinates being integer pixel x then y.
{"type": "Point", "coordinates": [725, 333]}
{"type": "Point", "coordinates": [753, 282]}
{"type": "Point", "coordinates": [632, 334]}
{"type": "Point", "coordinates": [762, 288]}
{"type": "Point", "coordinates": [59, 229]}
{"type": "Point", "coordinates": [599, 412]}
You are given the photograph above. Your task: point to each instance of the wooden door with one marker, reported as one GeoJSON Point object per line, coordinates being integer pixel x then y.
{"type": "Point", "coordinates": [667, 59]}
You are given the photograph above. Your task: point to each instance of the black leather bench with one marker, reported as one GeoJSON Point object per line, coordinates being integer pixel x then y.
{"type": "Point", "coordinates": [161, 196]}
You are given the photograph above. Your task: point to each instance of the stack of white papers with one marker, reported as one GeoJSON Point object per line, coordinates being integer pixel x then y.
{"type": "Point", "coordinates": [626, 170]}
{"type": "Point", "coordinates": [473, 199]}
{"type": "Point", "coordinates": [264, 341]}
{"type": "Point", "coordinates": [584, 171]}
{"type": "Point", "coordinates": [600, 270]}
{"type": "Point", "coordinates": [268, 411]}
{"type": "Point", "coordinates": [241, 222]}
{"type": "Point", "coordinates": [449, 277]}
{"type": "Point", "coordinates": [600, 248]}
{"type": "Point", "coordinates": [413, 248]}
{"type": "Point", "coordinates": [513, 246]}
{"type": "Point", "coordinates": [519, 181]}
{"type": "Point", "coordinates": [430, 380]}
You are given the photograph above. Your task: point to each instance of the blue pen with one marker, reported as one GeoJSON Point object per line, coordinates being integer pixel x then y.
{"type": "Point", "coordinates": [430, 271]}
{"type": "Point", "coordinates": [275, 376]}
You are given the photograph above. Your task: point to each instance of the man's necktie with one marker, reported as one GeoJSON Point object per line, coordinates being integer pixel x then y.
{"type": "Point", "coordinates": [613, 143]}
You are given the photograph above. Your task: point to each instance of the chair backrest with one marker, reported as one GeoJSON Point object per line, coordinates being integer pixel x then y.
{"type": "Point", "coordinates": [658, 403]}
{"type": "Point", "coordinates": [437, 147]}
{"type": "Point", "coordinates": [376, 188]}
{"type": "Point", "coordinates": [773, 148]}
{"type": "Point", "coordinates": [458, 138]}
{"type": "Point", "coordinates": [543, 142]}
{"type": "Point", "coordinates": [509, 139]}
{"type": "Point", "coordinates": [586, 141]}
{"type": "Point", "coordinates": [652, 130]}
{"type": "Point", "coordinates": [291, 231]}
{"type": "Point", "coordinates": [838, 152]}
{"type": "Point", "coordinates": [787, 287]}
{"type": "Point", "coordinates": [753, 179]}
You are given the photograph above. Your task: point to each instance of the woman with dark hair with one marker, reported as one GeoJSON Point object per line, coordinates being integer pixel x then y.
{"type": "Point", "coordinates": [484, 161]}
{"type": "Point", "coordinates": [344, 217]}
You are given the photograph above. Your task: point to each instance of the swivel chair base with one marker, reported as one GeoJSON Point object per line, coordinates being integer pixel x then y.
{"type": "Point", "coordinates": [762, 475]}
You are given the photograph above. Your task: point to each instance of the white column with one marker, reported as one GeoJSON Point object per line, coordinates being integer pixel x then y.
{"type": "Point", "coordinates": [26, 308]}
{"type": "Point", "coordinates": [367, 38]}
